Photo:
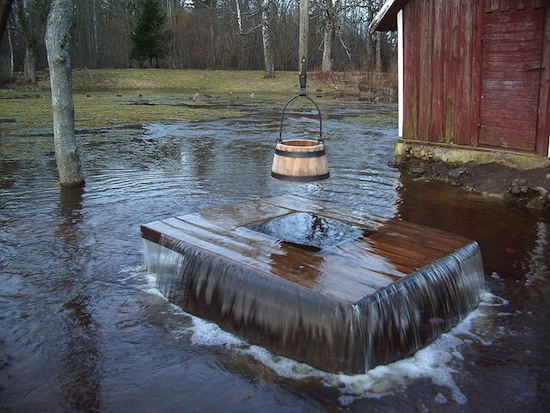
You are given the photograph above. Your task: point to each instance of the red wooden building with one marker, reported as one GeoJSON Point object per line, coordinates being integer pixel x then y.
{"type": "Point", "coordinates": [473, 73]}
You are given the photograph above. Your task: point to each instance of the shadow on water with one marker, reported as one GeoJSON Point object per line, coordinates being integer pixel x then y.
{"type": "Point", "coordinates": [84, 329]}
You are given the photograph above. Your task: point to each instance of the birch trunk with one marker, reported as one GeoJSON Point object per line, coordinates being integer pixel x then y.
{"type": "Point", "coordinates": [58, 39]}
{"type": "Point", "coordinates": [267, 43]}
{"type": "Point", "coordinates": [239, 17]}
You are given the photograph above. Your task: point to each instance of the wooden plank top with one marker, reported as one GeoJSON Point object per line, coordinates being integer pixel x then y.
{"type": "Point", "coordinates": [346, 272]}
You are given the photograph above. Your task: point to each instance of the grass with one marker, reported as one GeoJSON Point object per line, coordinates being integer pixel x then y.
{"type": "Point", "coordinates": [130, 96]}
{"type": "Point", "coordinates": [32, 110]}
{"type": "Point", "coordinates": [104, 98]}
{"type": "Point", "coordinates": [188, 81]}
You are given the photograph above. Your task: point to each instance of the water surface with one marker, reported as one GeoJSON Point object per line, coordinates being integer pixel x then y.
{"type": "Point", "coordinates": [83, 328]}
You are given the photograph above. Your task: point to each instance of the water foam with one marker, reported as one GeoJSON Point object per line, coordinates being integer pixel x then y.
{"type": "Point", "coordinates": [437, 362]}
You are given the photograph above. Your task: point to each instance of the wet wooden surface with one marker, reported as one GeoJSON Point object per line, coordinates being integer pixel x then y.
{"type": "Point", "coordinates": [347, 272]}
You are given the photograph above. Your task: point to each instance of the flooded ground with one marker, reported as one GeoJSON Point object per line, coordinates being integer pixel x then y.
{"type": "Point", "coordinates": [83, 328]}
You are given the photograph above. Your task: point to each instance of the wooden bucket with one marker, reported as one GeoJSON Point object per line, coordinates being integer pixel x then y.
{"type": "Point", "coordinates": [300, 161]}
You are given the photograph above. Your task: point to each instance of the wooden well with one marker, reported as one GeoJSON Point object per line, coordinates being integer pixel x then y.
{"type": "Point", "coordinates": [378, 293]}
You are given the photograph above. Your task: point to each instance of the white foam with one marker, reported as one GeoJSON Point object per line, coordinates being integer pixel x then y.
{"type": "Point", "coordinates": [437, 362]}
{"type": "Point", "coordinates": [129, 273]}
{"type": "Point", "coordinates": [209, 334]}
{"type": "Point", "coordinates": [146, 281]}
{"type": "Point", "coordinates": [490, 300]}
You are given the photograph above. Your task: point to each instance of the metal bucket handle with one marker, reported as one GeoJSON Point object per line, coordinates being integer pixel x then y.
{"type": "Point", "coordinates": [303, 79]}
{"type": "Point", "coordinates": [320, 140]}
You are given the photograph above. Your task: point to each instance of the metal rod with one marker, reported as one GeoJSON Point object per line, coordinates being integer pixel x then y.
{"type": "Point", "coordinates": [304, 32]}
{"type": "Point", "coordinates": [303, 78]}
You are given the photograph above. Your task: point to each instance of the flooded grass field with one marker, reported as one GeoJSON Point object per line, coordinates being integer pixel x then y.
{"type": "Point", "coordinates": [83, 327]}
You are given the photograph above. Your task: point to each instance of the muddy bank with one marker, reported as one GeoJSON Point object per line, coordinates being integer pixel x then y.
{"type": "Point", "coordinates": [524, 188]}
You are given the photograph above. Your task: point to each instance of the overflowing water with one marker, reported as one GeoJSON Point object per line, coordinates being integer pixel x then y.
{"type": "Point", "coordinates": [280, 285]}
{"type": "Point", "coordinates": [83, 327]}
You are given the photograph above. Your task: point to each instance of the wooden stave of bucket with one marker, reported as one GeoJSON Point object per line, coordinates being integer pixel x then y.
{"type": "Point", "coordinates": [300, 161]}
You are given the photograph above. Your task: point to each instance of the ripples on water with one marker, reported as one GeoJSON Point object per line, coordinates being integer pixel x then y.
{"type": "Point", "coordinates": [83, 329]}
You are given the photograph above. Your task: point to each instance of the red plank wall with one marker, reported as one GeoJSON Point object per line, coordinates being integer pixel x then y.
{"type": "Point", "coordinates": [454, 83]}
{"type": "Point", "coordinates": [511, 53]}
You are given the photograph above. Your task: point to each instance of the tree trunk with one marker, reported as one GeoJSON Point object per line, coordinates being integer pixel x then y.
{"type": "Point", "coordinates": [328, 37]}
{"type": "Point", "coordinates": [29, 72]}
{"type": "Point", "coordinates": [58, 39]}
{"type": "Point", "coordinates": [5, 8]}
{"type": "Point", "coordinates": [95, 42]}
{"type": "Point", "coordinates": [212, 33]}
{"type": "Point", "coordinates": [267, 43]}
{"type": "Point", "coordinates": [6, 56]}
{"type": "Point", "coordinates": [329, 34]}
{"type": "Point", "coordinates": [239, 17]}
{"type": "Point", "coordinates": [378, 55]}
{"type": "Point", "coordinates": [10, 46]}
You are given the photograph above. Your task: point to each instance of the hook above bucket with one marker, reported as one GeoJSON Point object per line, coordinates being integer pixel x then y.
{"type": "Point", "coordinates": [300, 160]}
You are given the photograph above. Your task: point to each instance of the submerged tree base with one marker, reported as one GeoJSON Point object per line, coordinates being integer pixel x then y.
{"type": "Point", "coordinates": [73, 184]}
{"type": "Point", "coordinates": [58, 45]}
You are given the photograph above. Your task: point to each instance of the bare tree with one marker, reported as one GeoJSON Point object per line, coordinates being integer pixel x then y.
{"type": "Point", "coordinates": [330, 11]}
{"type": "Point", "coordinates": [264, 7]}
{"type": "Point", "coordinates": [31, 17]}
{"type": "Point", "coordinates": [86, 32]}
{"type": "Point", "coordinates": [58, 40]}
{"type": "Point", "coordinates": [213, 34]}
{"type": "Point", "coordinates": [342, 20]}
{"type": "Point", "coordinates": [5, 8]}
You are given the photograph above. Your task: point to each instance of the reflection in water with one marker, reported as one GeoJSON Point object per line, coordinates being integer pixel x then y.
{"type": "Point", "coordinates": [509, 240]}
{"type": "Point", "coordinates": [537, 270]}
{"type": "Point", "coordinates": [75, 303]}
{"type": "Point", "coordinates": [284, 263]}
{"type": "Point", "coordinates": [81, 386]}
{"type": "Point", "coordinates": [203, 156]}
{"type": "Point", "coordinates": [309, 230]}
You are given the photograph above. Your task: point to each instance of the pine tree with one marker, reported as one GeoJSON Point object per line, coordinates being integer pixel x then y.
{"type": "Point", "coordinates": [149, 38]}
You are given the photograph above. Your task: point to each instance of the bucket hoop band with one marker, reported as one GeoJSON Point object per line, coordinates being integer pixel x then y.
{"type": "Point", "coordinates": [288, 154]}
{"type": "Point", "coordinates": [300, 179]}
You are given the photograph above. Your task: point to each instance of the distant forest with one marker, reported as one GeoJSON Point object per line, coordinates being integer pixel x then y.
{"type": "Point", "coordinates": [202, 34]}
